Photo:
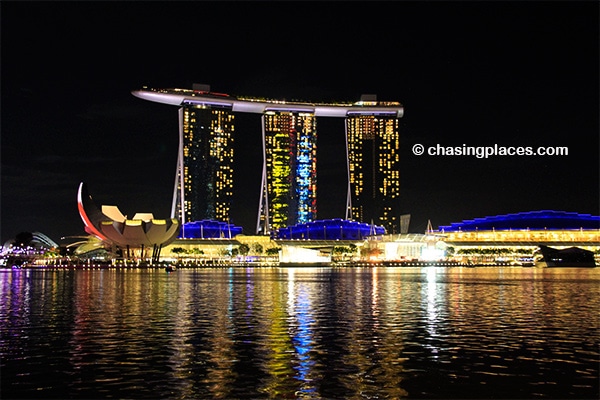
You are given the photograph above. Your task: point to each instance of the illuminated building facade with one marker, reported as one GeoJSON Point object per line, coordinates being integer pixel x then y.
{"type": "Point", "coordinates": [329, 229]}
{"type": "Point", "coordinates": [289, 180]}
{"type": "Point", "coordinates": [373, 149]}
{"type": "Point", "coordinates": [204, 184]}
{"type": "Point", "coordinates": [548, 227]}
{"type": "Point", "coordinates": [543, 220]}
{"type": "Point", "coordinates": [204, 178]}
{"type": "Point", "coordinates": [521, 234]}
{"type": "Point", "coordinates": [135, 236]}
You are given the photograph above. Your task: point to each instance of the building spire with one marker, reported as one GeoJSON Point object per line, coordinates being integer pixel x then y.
{"type": "Point", "coordinates": [429, 230]}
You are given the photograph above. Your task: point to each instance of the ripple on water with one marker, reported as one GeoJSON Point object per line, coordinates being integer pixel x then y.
{"type": "Point", "coordinates": [325, 333]}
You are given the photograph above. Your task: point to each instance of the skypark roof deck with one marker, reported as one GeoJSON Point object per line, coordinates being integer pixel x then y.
{"type": "Point", "coordinates": [179, 97]}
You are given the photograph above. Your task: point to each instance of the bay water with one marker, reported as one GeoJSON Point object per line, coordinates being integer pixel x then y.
{"type": "Point", "coordinates": [322, 333]}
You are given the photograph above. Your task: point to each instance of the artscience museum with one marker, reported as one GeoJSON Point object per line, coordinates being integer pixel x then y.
{"type": "Point", "coordinates": [142, 236]}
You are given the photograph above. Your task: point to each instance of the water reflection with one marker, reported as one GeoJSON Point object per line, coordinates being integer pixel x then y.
{"type": "Point", "coordinates": [434, 299]}
{"type": "Point", "coordinates": [300, 309]}
{"type": "Point", "coordinates": [309, 333]}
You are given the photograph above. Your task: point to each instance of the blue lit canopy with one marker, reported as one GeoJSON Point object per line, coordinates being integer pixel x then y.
{"type": "Point", "coordinates": [532, 220]}
{"type": "Point", "coordinates": [329, 229]}
{"type": "Point", "coordinates": [209, 229]}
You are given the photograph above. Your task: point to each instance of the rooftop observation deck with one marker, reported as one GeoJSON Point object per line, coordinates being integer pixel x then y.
{"type": "Point", "coordinates": [180, 97]}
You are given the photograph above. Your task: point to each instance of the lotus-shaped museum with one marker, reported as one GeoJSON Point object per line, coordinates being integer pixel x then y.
{"type": "Point", "coordinates": [111, 226]}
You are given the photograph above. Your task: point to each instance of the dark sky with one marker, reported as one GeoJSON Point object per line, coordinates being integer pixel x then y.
{"type": "Point", "coordinates": [473, 73]}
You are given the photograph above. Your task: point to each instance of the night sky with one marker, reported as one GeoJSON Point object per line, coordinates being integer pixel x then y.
{"type": "Point", "coordinates": [473, 73]}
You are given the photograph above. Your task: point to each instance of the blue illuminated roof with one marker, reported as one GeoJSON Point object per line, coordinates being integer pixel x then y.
{"type": "Point", "coordinates": [209, 229]}
{"type": "Point", "coordinates": [329, 229]}
{"type": "Point", "coordinates": [532, 220]}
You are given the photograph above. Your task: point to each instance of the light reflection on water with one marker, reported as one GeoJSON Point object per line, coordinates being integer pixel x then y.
{"type": "Point", "coordinates": [300, 333]}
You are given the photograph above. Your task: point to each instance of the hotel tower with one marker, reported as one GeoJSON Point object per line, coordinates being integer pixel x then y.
{"type": "Point", "coordinates": [289, 178]}
{"type": "Point", "coordinates": [204, 175]}
{"type": "Point", "coordinates": [373, 146]}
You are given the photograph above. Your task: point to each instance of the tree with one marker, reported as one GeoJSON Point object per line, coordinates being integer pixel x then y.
{"type": "Point", "coordinates": [243, 249]}
{"type": "Point", "coordinates": [370, 251]}
{"type": "Point", "coordinates": [273, 251]}
{"type": "Point", "coordinates": [196, 251]}
{"type": "Point", "coordinates": [226, 252]}
{"type": "Point", "coordinates": [178, 250]}
{"type": "Point", "coordinates": [257, 248]}
{"type": "Point", "coordinates": [343, 251]}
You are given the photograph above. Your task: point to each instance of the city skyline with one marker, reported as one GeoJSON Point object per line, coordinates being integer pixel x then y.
{"type": "Point", "coordinates": [467, 73]}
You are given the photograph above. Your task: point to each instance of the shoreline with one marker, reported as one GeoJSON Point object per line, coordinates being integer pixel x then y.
{"type": "Point", "coordinates": [388, 264]}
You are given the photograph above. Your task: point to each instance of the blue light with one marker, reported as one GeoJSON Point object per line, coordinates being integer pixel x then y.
{"type": "Point", "coordinates": [330, 229]}
{"type": "Point", "coordinates": [304, 179]}
{"type": "Point", "coordinates": [209, 229]}
{"type": "Point", "coordinates": [532, 220]}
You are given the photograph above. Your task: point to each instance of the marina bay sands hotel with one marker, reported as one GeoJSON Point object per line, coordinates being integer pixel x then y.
{"type": "Point", "coordinates": [204, 178]}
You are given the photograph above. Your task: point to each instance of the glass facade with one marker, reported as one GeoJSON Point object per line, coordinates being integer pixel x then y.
{"type": "Point", "coordinates": [204, 184]}
{"type": "Point", "coordinates": [209, 229]}
{"type": "Point", "coordinates": [289, 194]}
{"type": "Point", "coordinates": [329, 229]}
{"type": "Point", "coordinates": [373, 145]}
